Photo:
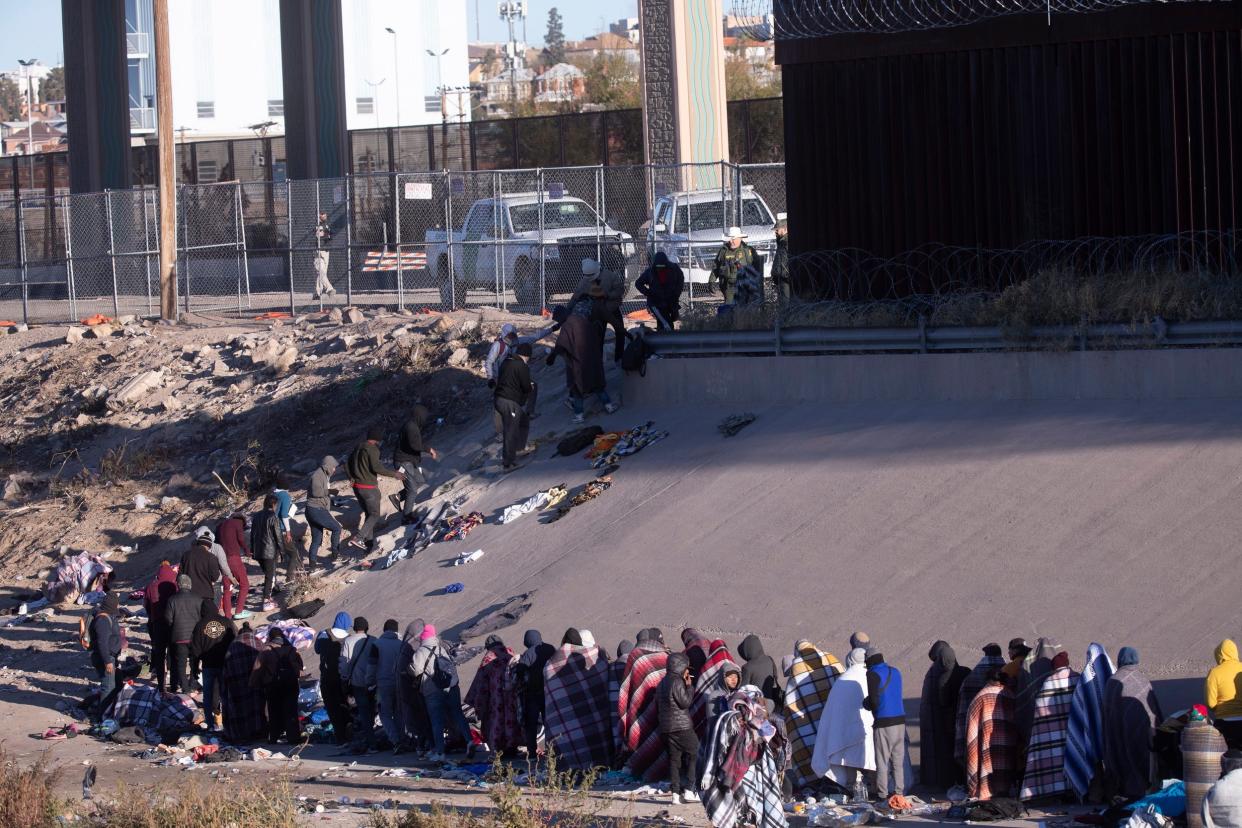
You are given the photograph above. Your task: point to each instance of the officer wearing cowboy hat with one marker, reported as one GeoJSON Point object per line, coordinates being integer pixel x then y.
{"type": "Point", "coordinates": [734, 256]}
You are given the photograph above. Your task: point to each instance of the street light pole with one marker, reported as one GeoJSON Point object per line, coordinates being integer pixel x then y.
{"type": "Point", "coordinates": [27, 64]}
{"type": "Point", "coordinates": [396, 69]}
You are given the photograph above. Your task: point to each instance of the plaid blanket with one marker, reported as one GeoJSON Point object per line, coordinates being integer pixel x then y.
{"type": "Point", "coordinates": [76, 575]}
{"type": "Point", "coordinates": [245, 709]}
{"type": "Point", "coordinates": [707, 681]}
{"type": "Point", "coordinates": [757, 798]}
{"type": "Point", "coordinates": [576, 717]}
{"type": "Point", "coordinates": [810, 678]}
{"type": "Point", "coordinates": [638, 714]}
{"type": "Point", "coordinates": [616, 675]}
{"type": "Point", "coordinates": [1084, 744]}
{"type": "Point", "coordinates": [494, 698]}
{"type": "Point", "coordinates": [971, 686]}
{"type": "Point", "coordinates": [992, 743]}
{"type": "Point", "coordinates": [177, 712]}
{"type": "Point", "coordinates": [136, 704]}
{"type": "Point", "coordinates": [1045, 759]}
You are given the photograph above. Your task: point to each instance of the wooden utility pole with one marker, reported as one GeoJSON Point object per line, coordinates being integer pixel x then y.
{"type": "Point", "coordinates": [167, 164]}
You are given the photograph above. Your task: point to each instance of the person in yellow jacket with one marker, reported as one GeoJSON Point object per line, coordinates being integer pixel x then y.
{"type": "Point", "coordinates": [1224, 693]}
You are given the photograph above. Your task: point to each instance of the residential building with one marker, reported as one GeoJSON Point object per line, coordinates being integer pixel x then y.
{"type": "Point", "coordinates": [48, 136]}
{"type": "Point", "coordinates": [580, 51]}
{"type": "Point", "coordinates": [626, 27]}
{"type": "Point", "coordinates": [561, 83]}
{"type": "Point", "coordinates": [226, 65]}
{"type": "Point", "coordinates": [499, 90]}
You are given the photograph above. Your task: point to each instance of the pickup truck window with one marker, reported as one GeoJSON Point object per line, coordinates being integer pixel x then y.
{"type": "Point", "coordinates": [481, 220]}
{"type": "Point", "coordinates": [709, 215]}
{"type": "Point", "coordinates": [557, 215]}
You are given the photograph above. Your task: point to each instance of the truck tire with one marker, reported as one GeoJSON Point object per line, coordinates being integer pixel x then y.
{"type": "Point", "coordinates": [452, 292]}
{"type": "Point", "coordinates": [526, 286]}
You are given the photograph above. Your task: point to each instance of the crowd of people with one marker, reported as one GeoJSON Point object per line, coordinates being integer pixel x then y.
{"type": "Point", "coordinates": [743, 736]}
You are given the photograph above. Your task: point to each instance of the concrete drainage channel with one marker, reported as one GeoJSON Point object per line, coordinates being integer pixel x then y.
{"type": "Point", "coordinates": [924, 339]}
{"type": "Point", "coordinates": [1174, 361]}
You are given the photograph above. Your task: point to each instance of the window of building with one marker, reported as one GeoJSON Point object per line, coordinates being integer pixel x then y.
{"type": "Point", "coordinates": [431, 103]}
{"type": "Point", "coordinates": [206, 109]}
{"type": "Point", "coordinates": [208, 171]}
{"type": "Point", "coordinates": [276, 108]}
{"type": "Point", "coordinates": [366, 106]}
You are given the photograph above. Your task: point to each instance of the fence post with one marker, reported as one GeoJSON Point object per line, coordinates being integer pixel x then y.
{"type": "Point", "coordinates": [289, 241]}
{"type": "Point", "coordinates": [116, 298]}
{"type": "Point", "coordinates": [543, 285]}
{"type": "Point", "coordinates": [318, 242]}
{"type": "Point", "coordinates": [146, 248]}
{"type": "Point", "coordinates": [184, 236]}
{"type": "Point", "coordinates": [70, 288]}
{"type": "Point", "coordinates": [245, 254]}
{"type": "Point", "coordinates": [396, 218]}
{"type": "Point", "coordinates": [21, 252]}
{"type": "Point", "coordinates": [498, 248]}
{"type": "Point", "coordinates": [349, 241]}
{"type": "Point", "coordinates": [448, 236]}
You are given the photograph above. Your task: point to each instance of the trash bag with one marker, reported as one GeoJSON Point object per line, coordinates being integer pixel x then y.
{"type": "Point", "coordinates": [578, 441]}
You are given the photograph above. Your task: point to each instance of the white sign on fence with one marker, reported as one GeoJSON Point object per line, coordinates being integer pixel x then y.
{"type": "Point", "coordinates": [418, 190]}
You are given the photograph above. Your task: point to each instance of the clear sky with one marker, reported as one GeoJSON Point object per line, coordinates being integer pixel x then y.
{"type": "Point", "coordinates": [31, 28]}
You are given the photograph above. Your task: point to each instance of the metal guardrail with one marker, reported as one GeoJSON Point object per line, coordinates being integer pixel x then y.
{"type": "Point", "coordinates": [924, 339]}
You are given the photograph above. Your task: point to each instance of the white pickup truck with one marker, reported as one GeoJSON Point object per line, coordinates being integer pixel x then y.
{"type": "Point", "coordinates": [691, 225]}
{"type": "Point", "coordinates": [502, 240]}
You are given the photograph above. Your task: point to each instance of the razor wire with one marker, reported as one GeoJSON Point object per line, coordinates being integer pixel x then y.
{"type": "Point", "coordinates": [801, 19]}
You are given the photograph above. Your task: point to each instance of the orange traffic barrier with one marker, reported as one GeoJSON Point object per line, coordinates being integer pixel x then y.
{"type": "Point", "coordinates": [641, 315]}
{"type": "Point", "coordinates": [97, 319]}
{"type": "Point", "coordinates": [7, 323]}
{"type": "Point", "coordinates": [274, 315]}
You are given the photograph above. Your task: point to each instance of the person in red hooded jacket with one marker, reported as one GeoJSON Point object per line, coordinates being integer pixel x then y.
{"type": "Point", "coordinates": [154, 598]}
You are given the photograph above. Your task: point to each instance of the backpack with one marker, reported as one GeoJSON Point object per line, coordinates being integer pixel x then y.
{"type": "Point", "coordinates": [443, 671]}
{"type": "Point", "coordinates": [580, 439]}
{"type": "Point", "coordinates": [84, 634]}
{"type": "Point", "coordinates": [634, 357]}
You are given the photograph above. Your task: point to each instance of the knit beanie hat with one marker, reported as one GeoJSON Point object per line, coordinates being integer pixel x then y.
{"type": "Point", "coordinates": [375, 433]}
{"type": "Point", "coordinates": [184, 581]}
{"type": "Point", "coordinates": [429, 631]}
{"type": "Point", "coordinates": [111, 603]}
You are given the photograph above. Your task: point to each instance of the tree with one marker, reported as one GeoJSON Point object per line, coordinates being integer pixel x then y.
{"type": "Point", "coordinates": [611, 81]}
{"type": "Point", "coordinates": [53, 86]}
{"type": "Point", "coordinates": [745, 80]}
{"type": "Point", "coordinates": [10, 100]}
{"type": "Point", "coordinates": [554, 40]}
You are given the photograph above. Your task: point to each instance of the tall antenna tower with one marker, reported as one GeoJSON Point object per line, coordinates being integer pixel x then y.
{"type": "Point", "coordinates": [513, 11]}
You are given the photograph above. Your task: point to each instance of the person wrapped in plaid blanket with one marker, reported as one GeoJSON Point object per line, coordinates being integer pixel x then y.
{"type": "Point", "coordinates": [809, 679]}
{"type": "Point", "coordinates": [1045, 759]}
{"type": "Point", "coordinates": [741, 763]}
{"type": "Point", "coordinates": [971, 686]}
{"type": "Point", "coordinates": [705, 685]}
{"type": "Point", "coordinates": [992, 741]}
{"type": "Point", "coordinates": [637, 714]}
{"type": "Point", "coordinates": [245, 708]}
{"type": "Point", "coordinates": [577, 720]}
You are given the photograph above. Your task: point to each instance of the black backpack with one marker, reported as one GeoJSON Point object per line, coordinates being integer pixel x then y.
{"type": "Point", "coordinates": [443, 671]}
{"type": "Point", "coordinates": [634, 357]}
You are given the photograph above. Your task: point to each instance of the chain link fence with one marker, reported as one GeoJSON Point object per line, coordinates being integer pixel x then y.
{"type": "Point", "coordinates": [513, 239]}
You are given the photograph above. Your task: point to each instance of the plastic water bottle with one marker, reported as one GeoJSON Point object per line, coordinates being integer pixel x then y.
{"type": "Point", "coordinates": [860, 789]}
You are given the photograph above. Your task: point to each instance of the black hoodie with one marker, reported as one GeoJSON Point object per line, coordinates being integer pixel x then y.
{"type": "Point", "coordinates": [760, 669]}
{"type": "Point", "coordinates": [410, 438]}
{"type": "Point", "coordinates": [529, 671]}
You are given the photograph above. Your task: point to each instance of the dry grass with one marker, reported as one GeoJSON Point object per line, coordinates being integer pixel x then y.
{"type": "Point", "coordinates": [305, 588]}
{"type": "Point", "coordinates": [124, 462]}
{"type": "Point", "coordinates": [27, 798]}
{"type": "Point", "coordinates": [194, 806]}
{"type": "Point", "coordinates": [563, 800]}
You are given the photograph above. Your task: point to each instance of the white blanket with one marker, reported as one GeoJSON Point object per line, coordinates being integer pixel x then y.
{"type": "Point", "coordinates": [843, 739]}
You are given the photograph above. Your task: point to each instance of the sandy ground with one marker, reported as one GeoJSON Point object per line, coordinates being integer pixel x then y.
{"type": "Point", "coordinates": [1109, 522]}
